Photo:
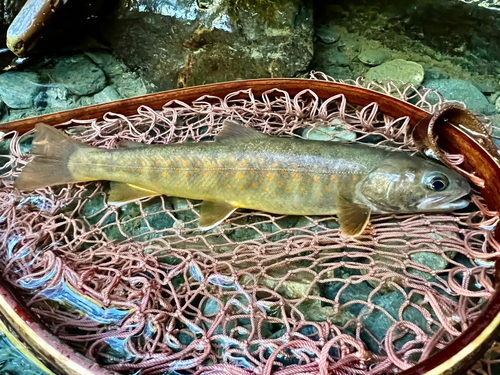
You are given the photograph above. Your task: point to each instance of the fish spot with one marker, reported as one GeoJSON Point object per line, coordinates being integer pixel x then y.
{"type": "Point", "coordinates": [226, 174]}
{"type": "Point", "coordinates": [197, 170]}
{"type": "Point", "coordinates": [143, 171]}
{"type": "Point", "coordinates": [287, 190]}
{"type": "Point", "coordinates": [240, 188]}
{"type": "Point", "coordinates": [327, 188]}
{"type": "Point", "coordinates": [184, 163]}
{"type": "Point", "coordinates": [204, 186]}
{"type": "Point", "coordinates": [280, 183]}
{"type": "Point", "coordinates": [295, 176]}
{"type": "Point", "coordinates": [187, 186]}
{"type": "Point", "coordinates": [177, 170]}
{"type": "Point", "coordinates": [219, 161]}
{"type": "Point", "coordinates": [354, 178]}
{"type": "Point", "coordinates": [177, 184]}
{"type": "Point", "coordinates": [316, 179]}
{"type": "Point", "coordinates": [252, 171]}
{"type": "Point", "coordinates": [186, 174]}
{"type": "Point", "coordinates": [265, 190]}
{"type": "Point", "coordinates": [196, 183]}
{"type": "Point", "coordinates": [165, 174]}
{"type": "Point", "coordinates": [244, 161]}
{"type": "Point", "coordinates": [283, 172]}
{"type": "Point", "coordinates": [167, 162]}
{"type": "Point", "coordinates": [217, 170]}
{"type": "Point", "coordinates": [303, 191]}
{"type": "Point", "coordinates": [319, 195]}
{"type": "Point", "coordinates": [216, 182]}
{"type": "Point", "coordinates": [254, 185]}
{"type": "Point", "coordinates": [158, 162]}
{"type": "Point", "coordinates": [228, 187]}
{"type": "Point", "coordinates": [270, 176]}
{"type": "Point", "coordinates": [206, 175]}
{"type": "Point", "coordinates": [262, 173]}
{"type": "Point", "coordinates": [239, 175]}
{"type": "Point", "coordinates": [334, 176]}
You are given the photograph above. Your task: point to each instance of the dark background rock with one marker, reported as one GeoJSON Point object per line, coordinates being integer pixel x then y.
{"type": "Point", "coordinates": [185, 43]}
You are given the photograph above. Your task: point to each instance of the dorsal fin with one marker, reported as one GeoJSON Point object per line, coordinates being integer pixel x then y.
{"type": "Point", "coordinates": [233, 130]}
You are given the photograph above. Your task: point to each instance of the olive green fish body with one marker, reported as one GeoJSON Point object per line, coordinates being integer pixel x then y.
{"type": "Point", "coordinates": [244, 168]}
{"type": "Point", "coordinates": [276, 175]}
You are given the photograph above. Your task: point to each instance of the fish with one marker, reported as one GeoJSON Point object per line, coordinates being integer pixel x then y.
{"type": "Point", "coordinates": [245, 168]}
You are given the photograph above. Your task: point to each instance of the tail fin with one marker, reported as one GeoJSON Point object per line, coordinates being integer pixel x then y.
{"type": "Point", "coordinates": [52, 149]}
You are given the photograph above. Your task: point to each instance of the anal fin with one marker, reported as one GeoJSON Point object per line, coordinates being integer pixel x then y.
{"type": "Point", "coordinates": [213, 213]}
{"type": "Point", "coordinates": [121, 193]}
{"type": "Point", "coordinates": [353, 218]}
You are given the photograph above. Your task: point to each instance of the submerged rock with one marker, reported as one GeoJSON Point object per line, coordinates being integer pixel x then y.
{"type": "Point", "coordinates": [374, 57]}
{"type": "Point", "coordinates": [79, 75]}
{"type": "Point", "coordinates": [398, 71]}
{"type": "Point", "coordinates": [335, 132]}
{"type": "Point", "coordinates": [463, 91]}
{"type": "Point", "coordinates": [108, 94]}
{"type": "Point", "coordinates": [18, 89]}
{"type": "Point", "coordinates": [187, 42]}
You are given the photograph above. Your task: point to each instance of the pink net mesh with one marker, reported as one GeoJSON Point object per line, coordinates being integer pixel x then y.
{"type": "Point", "coordinates": [139, 287]}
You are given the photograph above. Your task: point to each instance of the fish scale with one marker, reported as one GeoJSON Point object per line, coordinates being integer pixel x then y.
{"type": "Point", "coordinates": [274, 181]}
{"type": "Point", "coordinates": [243, 168]}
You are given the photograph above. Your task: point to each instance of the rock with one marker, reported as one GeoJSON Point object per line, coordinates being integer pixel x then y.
{"type": "Point", "coordinates": [485, 87]}
{"type": "Point", "coordinates": [8, 11]}
{"type": "Point", "coordinates": [18, 89]}
{"type": "Point", "coordinates": [4, 111]}
{"type": "Point", "coordinates": [434, 262]}
{"type": "Point", "coordinates": [463, 91]}
{"type": "Point", "coordinates": [497, 104]}
{"type": "Point", "coordinates": [353, 292]}
{"type": "Point", "coordinates": [108, 94]}
{"type": "Point", "coordinates": [296, 285]}
{"type": "Point", "coordinates": [328, 34]}
{"type": "Point", "coordinates": [399, 71]}
{"type": "Point", "coordinates": [374, 57]}
{"type": "Point", "coordinates": [78, 74]}
{"type": "Point", "coordinates": [127, 84]}
{"type": "Point", "coordinates": [54, 99]}
{"type": "Point", "coordinates": [435, 74]}
{"type": "Point", "coordinates": [335, 132]}
{"type": "Point", "coordinates": [377, 322]}
{"type": "Point", "coordinates": [185, 43]}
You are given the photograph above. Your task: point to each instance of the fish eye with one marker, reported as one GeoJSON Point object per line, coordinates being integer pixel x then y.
{"type": "Point", "coordinates": [438, 183]}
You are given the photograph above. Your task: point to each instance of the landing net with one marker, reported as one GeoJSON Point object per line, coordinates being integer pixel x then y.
{"type": "Point", "coordinates": [139, 287]}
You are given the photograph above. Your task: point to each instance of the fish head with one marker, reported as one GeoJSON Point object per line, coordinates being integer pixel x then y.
{"type": "Point", "coordinates": [406, 184]}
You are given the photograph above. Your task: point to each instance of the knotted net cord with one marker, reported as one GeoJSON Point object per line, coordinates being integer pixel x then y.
{"type": "Point", "coordinates": [139, 287]}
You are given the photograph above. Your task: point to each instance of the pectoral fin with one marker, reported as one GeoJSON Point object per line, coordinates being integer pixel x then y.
{"type": "Point", "coordinates": [213, 213]}
{"type": "Point", "coordinates": [121, 193]}
{"type": "Point", "coordinates": [353, 217]}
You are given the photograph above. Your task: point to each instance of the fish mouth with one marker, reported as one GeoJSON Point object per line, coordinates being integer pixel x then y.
{"type": "Point", "coordinates": [432, 204]}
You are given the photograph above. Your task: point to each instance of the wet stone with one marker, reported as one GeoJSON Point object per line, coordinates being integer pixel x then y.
{"type": "Point", "coordinates": [374, 57]}
{"type": "Point", "coordinates": [108, 94]}
{"type": "Point", "coordinates": [378, 322]}
{"type": "Point", "coordinates": [54, 99]}
{"type": "Point", "coordinates": [335, 132]}
{"type": "Point", "coordinates": [328, 34]}
{"type": "Point", "coordinates": [397, 71]}
{"type": "Point", "coordinates": [434, 262]}
{"type": "Point", "coordinates": [18, 89]}
{"type": "Point", "coordinates": [460, 90]}
{"type": "Point", "coordinates": [79, 75]}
